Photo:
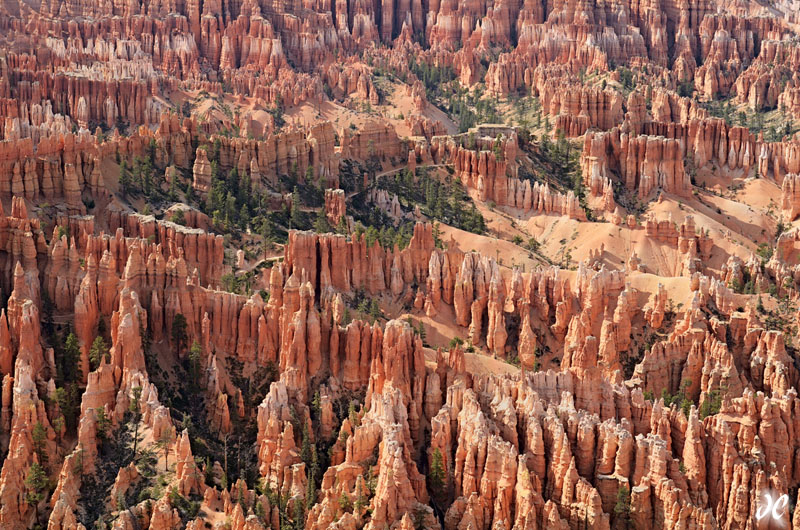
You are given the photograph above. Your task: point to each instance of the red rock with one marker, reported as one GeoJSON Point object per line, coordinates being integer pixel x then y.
{"type": "Point", "coordinates": [27, 410]}
{"type": "Point", "coordinates": [541, 450]}
{"type": "Point", "coordinates": [644, 162]}
{"type": "Point", "coordinates": [335, 207]}
{"type": "Point", "coordinates": [373, 139]}
{"type": "Point", "coordinates": [790, 199]}
{"type": "Point", "coordinates": [189, 478]}
{"type": "Point", "coordinates": [6, 351]}
{"type": "Point", "coordinates": [201, 172]}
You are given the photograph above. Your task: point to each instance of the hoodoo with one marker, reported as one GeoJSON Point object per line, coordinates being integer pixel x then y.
{"type": "Point", "coordinates": [399, 265]}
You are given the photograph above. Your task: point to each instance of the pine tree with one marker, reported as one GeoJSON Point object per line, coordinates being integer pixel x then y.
{"type": "Point", "coordinates": [623, 506]}
{"type": "Point", "coordinates": [173, 185]}
{"type": "Point", "coordinates": [372, 235]}
{"type": "Point", "coordinates": [361, 500]}
{"type": "Point", "coordinates": [232, 182]}
{"type": "Point", "coordinates": [374, 310]}
{"type": "Point", "coordinates": [144, 169]}
{"type": "Point", "coordinates": [124, 178]}
{"type": "Point", "coordinates": [163, 443]}
{"type": "Point", "coordinates": [437, 235]}
{"type": "Point", "coordinates": [151, 151]}
{"type": "Point", "coordinates": [179, 332]}
{"type": "Point", "coordinates": [341, 228]}
{"type": "Point", "coordinates": [39, 436]}
{"type": "Point", "coordinates": [258, 510]}
{"type": "Point", "coordinates": [321, 224]}
{"type": "Point", "coordinates": [430, 195]}
{"type": "Point", "coordinates": [68, 399]}
{"type": "Point", "coordinates": [352, 414]}
{"type": "Point", "coordinates": [316, 405]}
{"type": "Point", "coordinates": [245, 187]}
{"type": "Point", "coordinates": [244, 217]}
{"type": "Point", "coordinates": [70, 359]}
{"type": "Point", "coordinates": [299, 517]}
{"type": "Point", "coordinates": [311, 488]}
{"type": "Point", "coordinates": [37, 484]}
{"type": "Point", "coordinates": [133, 408]}
{"type": "Point", "coordinates": [438, 474]}
{"type": "Point", "coordinates": [345, 502]}
{"type": "Point", "coordinates": [314, 463]}
{"type": "Point", "coordinates": [363, 307]}
{"type": "Point", "coordinates": [497, 148]}
{"type": "Point", "coordinates": [195, 354]}
{"type": "Point", "coordinates": [230, 209]}
{"type": "Point", "coordinates": [98, 352]}
{"type": "Point", "coordinates": [103, 423]}
{"type": "Point", "coordinates": [439, 207]}
{"type": "Point", "coordinates": [294, 213]}
{"type": "Point", "coordinates": [305, 447]}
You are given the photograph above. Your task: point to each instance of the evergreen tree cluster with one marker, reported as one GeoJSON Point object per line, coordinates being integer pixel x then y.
{"type": "Point", "coordinates": [433, 77]}
{"type": "Point", "coordinates": [446, 202]}
{"type": "Point", "coordinates": [234, 202]}
{"type": "Point", "coordinates": [466, 108]}
{"type": "Point", "coordinates": [231, 199]}
{"type": "Point", "coordinates": [470, 109]}
{"type": "Point", "coordinates": [560, 159]}
{"type": "Point", "coordinates": [680, 399]}
{"type": "Point", "coordinates": [437, 477]}
{"type": "Point", "coordinates": [387, 236]}
{"type": "Point", "coordinates": [141, 177]}
{"type": "Point", "coordinates": [366, 308]}
{"type": "Point", "coordinates": [67, 354]}
{"type": "Point", "coordinates": [622, 508]}
{"type": "Point", "coordinates": [755, 121]}
{"type": "Point", "coordinates": [626, 78]}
